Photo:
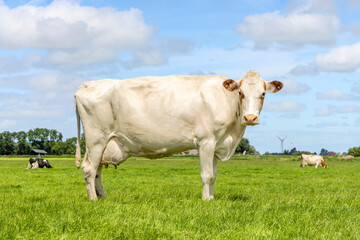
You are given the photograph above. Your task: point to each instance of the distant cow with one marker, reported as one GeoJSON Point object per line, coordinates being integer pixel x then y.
{"type": "Point", "coordinates": [158, 116]}
{"type": "Point", "coordinates": [38, 163]}
{"type": "Point", "coordinates": [312, 160]}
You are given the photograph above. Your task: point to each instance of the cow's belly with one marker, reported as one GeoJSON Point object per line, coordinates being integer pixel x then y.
{"type": "Point", "coordinates": [122, 146]}
{"type": "Point", "coordinates": [312, 162]}
{"type": "Point", "coordinates": [156, 148]}
{"type": "Point", "coordinates": [156, 136]}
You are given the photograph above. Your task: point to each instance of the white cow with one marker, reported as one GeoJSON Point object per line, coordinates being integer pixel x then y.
{"type": "Point", "coordinates": [158, 116]}
{"type": "Point", "coordinates": [312, 160]}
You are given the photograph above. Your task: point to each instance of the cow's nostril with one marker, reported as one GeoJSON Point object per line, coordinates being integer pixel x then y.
{"type": "Point", "coordinates": [255, 119]}
{"type": "Point", "coordinates": [245, 118]}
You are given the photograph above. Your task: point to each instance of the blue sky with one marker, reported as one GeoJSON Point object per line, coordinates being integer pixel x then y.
{"type": "Point", "coordinates": [48, 48]}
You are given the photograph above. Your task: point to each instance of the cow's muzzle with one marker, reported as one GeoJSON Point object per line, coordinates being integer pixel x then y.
{"type": "Point", "coordinates": [251, 119]}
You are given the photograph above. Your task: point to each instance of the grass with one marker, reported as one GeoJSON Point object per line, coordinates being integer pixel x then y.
{"type": "Point", "coordinates": [266, 197]}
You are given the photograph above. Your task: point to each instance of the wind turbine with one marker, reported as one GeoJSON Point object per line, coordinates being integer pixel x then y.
{"type": "Point", "coordinates": [282, 143]}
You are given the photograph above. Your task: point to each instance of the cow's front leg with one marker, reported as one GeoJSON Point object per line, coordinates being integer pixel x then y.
{"type": "Point", "coordinates": [208, 168]}
{"type": "Point", "coordinates": [211, 186]}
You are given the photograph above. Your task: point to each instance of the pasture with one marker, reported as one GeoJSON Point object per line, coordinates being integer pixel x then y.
{"type": "Point", "coordinates": [256, 197]}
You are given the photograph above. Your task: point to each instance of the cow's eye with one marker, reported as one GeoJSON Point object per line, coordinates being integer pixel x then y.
{"type": "Point", "coordinates": [263, 95]}
{"type": "Point", "coordinates": [240, 94]}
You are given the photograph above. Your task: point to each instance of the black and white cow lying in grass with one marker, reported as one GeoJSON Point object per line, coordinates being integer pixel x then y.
{"type": "Point", "coordinates": [38, 163]}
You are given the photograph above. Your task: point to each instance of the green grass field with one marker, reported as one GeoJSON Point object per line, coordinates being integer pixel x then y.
{"type": "Point", "coordinates": [264, 197]}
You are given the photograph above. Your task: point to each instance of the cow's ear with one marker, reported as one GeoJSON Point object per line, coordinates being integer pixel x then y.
{"type": "Point", "coordinates": [230, 85]}
{"type": "Point", "coordinates": [274, 86]}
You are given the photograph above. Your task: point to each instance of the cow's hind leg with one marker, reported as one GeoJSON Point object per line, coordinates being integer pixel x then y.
{"type": "Point", "coordinates": [100, 192]}
{"type": "Point", "coordinates": [29, 166]}
{"type": "Point", "coordinates": [90, 167]}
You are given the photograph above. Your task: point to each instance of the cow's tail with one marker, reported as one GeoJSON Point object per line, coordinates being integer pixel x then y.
{"type": "Point", "coordinates": [78, 149]}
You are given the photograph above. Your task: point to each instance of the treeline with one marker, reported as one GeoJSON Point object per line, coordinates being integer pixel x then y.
{"type": "Point", "coordinates": [291, 152]}
{"type": "Point", "coordinates": [50, 140]}
{"type": "Point", "coordinates": [355, 151]}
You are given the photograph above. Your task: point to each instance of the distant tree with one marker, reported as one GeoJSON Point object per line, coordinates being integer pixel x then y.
{"type": "Point", "coordinates": [55, 136]}
{"type": "Point", "coordinates": [22, 144]}
{"type": "Point", "coordinates": [252, 151]}
{"type": "Point", "coordinates": [70, 145]}
{"type": "Point", "coordinates": [42, 138]}
{"type": "Point", "coordinates": [82, 143]}
{"type": "Point", "coordinates": [286, 152]}
{"type": "Point", "coordinates": [2, 143]}
{"type": "Point", "coordinates": [50, 140]}
{"type": "Point", "coordinates": [58, 148]}
{"type": "Point", "coordinates": [7, 143]}
{"type": "Point", "coordinates": [38, 137]}
{"type": "Point", "coordinates": [355, 151]}
{"type": "Point", "coordinates": [292, 151]}
{"type": "Point", "coordinates": [244, 145]}
{"type": "Point", "coordinates": [303, 152]}
{"type": "Point", "coordinates": [323, 151]}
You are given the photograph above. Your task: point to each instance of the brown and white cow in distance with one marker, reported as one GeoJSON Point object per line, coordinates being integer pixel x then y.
{"type": "Point", "coordinates": [158, 116]}
{"type": "Point", "coordinates": [312, 160]}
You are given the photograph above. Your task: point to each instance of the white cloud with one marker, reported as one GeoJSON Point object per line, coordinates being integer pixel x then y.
{"type": "Point", "coordinates": [284, 106]}
{"type": "Point", "coordinates": [341, 59]}
{"type": "Point", "coordinates": [355, 29]}
{"type": "Point", "coordinates": [301, 25]}
{"type": "Point", "coordinates": [200, 72]}
{"type": "Point", "coordinates": [309, 69]}
{"type": "Point", "coordinates": [337, 95]}
{"type": "Point", "coordinates": [325, 124]}
{"type": "Point", "coordinates": [54, 82]}
{"type": "Point", "coordinates": [43, 82]}
{"type": "Point", "coordinates": [44, 99]}
{"type": "Point", "coordinates": [349, 109]}
{"type": "Point", "coordinates": [64, 25]}
{"type": "Point", "coordinates": [357, 122]}
{"type": "Point", "coordinates": [356, 88]}
{"type": "Point", "coordinates": [333, 110]}
{"type": "Point", "coordinates": [33, 105]}
{"type": "Point", "coordinates": [355, 2]}
{"type": "Point", "coordinates": [68, 33]}
{"type": "Point", "coordinates": [5, 124]}
{"type": "Point", "coordinates": [325, 111]}
{"type": "Point", "coordinates": [318, 6]}
{"type": "Point", "coordinates": [292, 87]}
{"type": "Point", "coordinates": [291, 115]}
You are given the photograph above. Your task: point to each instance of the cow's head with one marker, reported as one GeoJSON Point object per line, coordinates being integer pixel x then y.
{"type": "Point", "coordinates": [252, 89]}
{"type": "Point", "coordinates": [323, 164]}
